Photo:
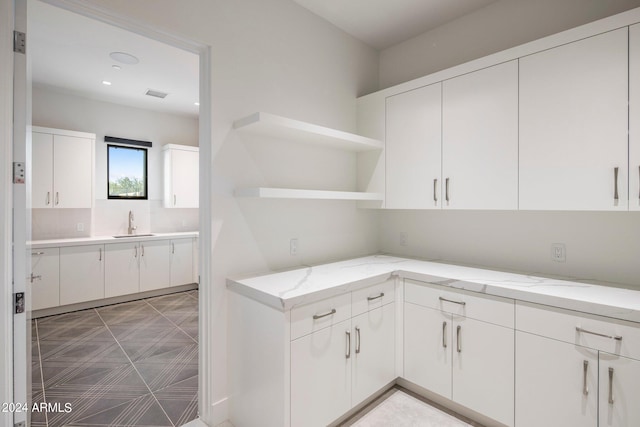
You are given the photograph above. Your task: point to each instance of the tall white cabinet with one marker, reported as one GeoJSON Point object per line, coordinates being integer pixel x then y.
{"type": "Point", "coordinates": [573, 125]}
{"type": "Point", "coordinates": [414, 149]}
{"type": "Point", "coordinates": [62, 168]}
{"type": "Point", "coordinates": [634, 117]}
{"type": "Point", "coordinates": [480, 139]}
{"type": "Point", "coordinates": [181, 177]}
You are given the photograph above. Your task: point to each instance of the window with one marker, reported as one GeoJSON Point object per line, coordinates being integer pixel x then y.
{"type": "Point", "coordinates": [127, 172]}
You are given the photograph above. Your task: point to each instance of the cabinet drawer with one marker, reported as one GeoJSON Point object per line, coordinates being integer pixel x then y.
{"type": "Point", "coordinates": [372, 297]}
{"type": "Point", "coordinates": [561, 325]}
{"type": "Point", "coordinates": [319, 315]}
{"type": "Point", "coordinates": [487, 308]}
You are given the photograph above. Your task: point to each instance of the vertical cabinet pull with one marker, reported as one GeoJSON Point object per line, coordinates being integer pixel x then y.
{"type": "Point", "coordinates": [142, 247]}
{"type": "Point", "coordinates": [615, 184]}
{"type": "Point", "coordinates": [100, 256]}
{"type": "Point", "coordinates": [173, 248]}
{"type": "Point", "coordinates": [585, 368]}
{"type": "Point", "coordinates": [459, 339]}
{"type": "Point", "coordinates": [435, 191]}
{"type": "Point", "coordinates": [357, 340]}
{"type": "Point", "coordinates": [348, 351]}
{"type": "Point", "coordinates": [444, 334]}
{"type": "Point", "coordinates": [446, 190]}
{"type": "Point", "coordinates": [174, 200]}
{"type": "Point", "coordinates": [57, 198]}
{"type": "Point", "coordinates": [639, 182]}
{"type": "Point", "coordinates": [611, 386]}
{"type": "Point", "coordinates": [135, 251]}
{"type": "Point", "coordinates": [48, 195]}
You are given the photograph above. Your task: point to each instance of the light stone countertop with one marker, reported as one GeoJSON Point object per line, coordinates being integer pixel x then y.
{"type": "Point", "coordinates": [96, 240]}
{"type": "Point", "coordinates": [285, 290]}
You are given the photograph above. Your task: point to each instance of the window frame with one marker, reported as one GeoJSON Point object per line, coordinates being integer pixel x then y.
{"type": "Point", "coordinates": [145, 177]}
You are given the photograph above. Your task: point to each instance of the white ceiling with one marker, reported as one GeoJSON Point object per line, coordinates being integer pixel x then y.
{"type": "Point", "coordinates": [71, 52]}
{"type": "Point", "coordinates": [383, 23]}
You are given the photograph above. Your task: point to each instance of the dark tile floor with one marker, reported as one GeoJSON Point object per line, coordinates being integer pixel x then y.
{"type": "Point", "coordinates": [129, 364]}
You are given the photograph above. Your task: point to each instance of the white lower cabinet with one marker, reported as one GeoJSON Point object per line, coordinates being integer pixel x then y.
{"type": "Point", "coordinates": [461, 358]}
{"type": "Point", "coordinates": [81, 273]}
{"type": "Point", "coordinates": [181, 262]}
{"type": "Point", "coordinates": [321, 376]}
{"type": "Point", "coordinates": [571, 365]}
{"type": "Point", "coordinates": [45, 271]}
{"type": "Point", "coordinates": [155, 265]}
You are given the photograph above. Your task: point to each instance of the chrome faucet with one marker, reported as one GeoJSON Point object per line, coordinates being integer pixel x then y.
{"type": "Point", "coordinates": [131, 228]}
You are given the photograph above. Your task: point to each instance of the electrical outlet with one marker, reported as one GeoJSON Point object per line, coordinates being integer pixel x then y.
{"type": "Point", "coordinates": [404, 237]}
{"type": "Point", "coordinates": [80, 226]}
{"type": "Point", "coordinates": [558, 252]}
{"type": "Point", "coordinates": [293, 247]}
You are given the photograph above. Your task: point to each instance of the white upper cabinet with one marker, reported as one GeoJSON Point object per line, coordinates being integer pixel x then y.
{"type": "Point", "coordinates": [634, 116]}
{"type": "Point", "coordinates": [62, 169]}
{"type": "Point", "coordinates": [414, 149]}
{"type": "Point", "coordinates": [181, 177]}
{"type": "Point", "coordinates": [573, 125]}
{"type": "Point", "coordinates": [480, 139]}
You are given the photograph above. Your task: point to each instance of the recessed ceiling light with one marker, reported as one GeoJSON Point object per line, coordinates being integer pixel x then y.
{"type": "Point", "coordinates": [197, 104]}
{"type": "Point", "coordinates": [116, 67]}
{"type": "Point", "coordinates": [106, 83]}
{"type": "Point", "coordinates": [124, 58]}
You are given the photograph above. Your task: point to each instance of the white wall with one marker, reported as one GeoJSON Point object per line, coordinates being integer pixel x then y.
{"type": "Point", "coordinates": [273, 56]}
{"type": "Point", "coordinates": [498, 26]}
{"type": "Point", "coordinates": [58, 109]}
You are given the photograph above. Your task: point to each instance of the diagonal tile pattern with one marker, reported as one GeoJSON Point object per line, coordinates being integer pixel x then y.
{"type": "Point", "coordinates": [130, 364]}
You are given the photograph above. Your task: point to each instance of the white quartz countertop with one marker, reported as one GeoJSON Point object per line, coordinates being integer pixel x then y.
{"type": "Point", "coordinates": [96, 240]}
{"type": "Point", "coordinates": [288, 289]}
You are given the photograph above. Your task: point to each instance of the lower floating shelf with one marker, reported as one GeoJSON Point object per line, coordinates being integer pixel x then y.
{"type": "Point", "coordinates": [289, 193]}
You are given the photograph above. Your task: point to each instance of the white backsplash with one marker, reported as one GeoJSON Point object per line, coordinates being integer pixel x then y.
{"type": "Point", "coordinates": [110, 217]}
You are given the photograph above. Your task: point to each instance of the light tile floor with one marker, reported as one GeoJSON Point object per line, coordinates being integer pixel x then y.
{"type": "Point", "coordinates": [399, 409]}
{"type": "Point", "coordinates": [134, 363]}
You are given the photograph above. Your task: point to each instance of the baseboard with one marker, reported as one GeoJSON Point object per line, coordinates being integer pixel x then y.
{"type": "Point", "coordinates": [220, 411]}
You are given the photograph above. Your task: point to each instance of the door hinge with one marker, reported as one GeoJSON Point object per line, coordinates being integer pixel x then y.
{"type": "Point", "coordinates": [18, 301]}
{"type": "Point", "coordinates": [20, 424]}
{"type": "Point", "coordinates": [19, 42]}
{"type": "Point", "coordinates": [18, 172]}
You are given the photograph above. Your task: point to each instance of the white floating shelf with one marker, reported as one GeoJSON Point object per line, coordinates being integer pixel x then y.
{"type": "Point", "coordinates": [302, 132]}
{"type": "Point", "coordinates": [288, 193]}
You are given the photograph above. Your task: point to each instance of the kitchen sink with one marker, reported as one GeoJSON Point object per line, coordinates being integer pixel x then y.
{"type": "Point", "coordinates": [133, 235]}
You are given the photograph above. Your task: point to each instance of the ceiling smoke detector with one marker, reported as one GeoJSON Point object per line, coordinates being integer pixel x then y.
{"type": "Point", "coordinates": [124, 58]}
{"type": "Point", "coordinates": [156, 93]}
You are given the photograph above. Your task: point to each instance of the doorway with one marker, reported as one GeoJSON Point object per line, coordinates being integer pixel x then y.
{"type": "Point", "coordinates": [40, 118]}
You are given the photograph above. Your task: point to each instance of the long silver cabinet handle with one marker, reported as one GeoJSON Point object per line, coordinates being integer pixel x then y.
{"type": "Point", "coordinates": [48, 200]}
{"type": "Point", "coordinates": [611, 386]}
{"type": "Point", "coordinates": [639, 181]}
{"type": "Point", "coordinates": [446, 190]}
{"type": "Point", "coordinates": [328, 313]}
{"type": "Point", "coordinates": [435, 191]}
{"type": "Point", "coordinates": [357, 340]}
{"type": "Point", "coordinates": [585, 368]}
{"type": "Point", "coordinates": [135, 251]}
{"type": "Point", "coordinates": [57, 198]}
{"type": "Point", "coordinates": [376, 297]}
{"type": "Point", "coordinates": [348, 351]}
{"type": "Point", "coordinates": [174, 200]}
{"type": "Point", "coordinates": [459, 338]}
{"type": "Point", "coordinates": [173, 248]}
{"type": "Point", "coordinates": [615, 184]}
{"type": "Point", "coordinates": [100, 251]}
{"type": "Point", "coordinates": [142, 247]}
{"type": "Point", "coordinates": [444, 334]}
{"type": "Point", "coordinates": [37, 253]}
{"type": "Point", "coordinates": [612, 337]}
{"type": "Point", "coordinates": [450, 300]}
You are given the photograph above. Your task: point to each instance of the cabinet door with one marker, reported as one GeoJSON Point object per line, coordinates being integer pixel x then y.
{"type": "Point", "coordinates": [374, 352]}
{"type": "Point", "coordinates": [483, 368]}
{"type": "Point", "coordinates": [427, 348]}
{"type": "Point", "coordinates": [573, 125]}
{"type": "Point", "coordinates": [619, 391]}
{"type": "Point", "coordinates": [45, 291]}
{"type": "Point", "coordinates": [321, 375]}
{"type": "Point", "coordinates": [121, 275]}
{"type": "Point", "coordinates": [155, 259]}
{"type": "Point", "coordinates": [480, 139]}
{"type": "Point", "coordinates": [556, 383]}
{"type": "Point", "coordinates": [413, 149]}
{"type": "Point", "coordinates": [72, 172]}
{"type": "Point", "coordinates": [634, 116]}
{"type": "Point", "coordinates": [42, 170]}
{"type": "Point", "coordinates": [181, 262]}
{"type": "Point", "coordinates": [184, 178]}
{"type": "Point", "coordinates": [81, 273]}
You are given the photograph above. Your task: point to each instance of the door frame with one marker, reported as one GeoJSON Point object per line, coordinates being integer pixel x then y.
{"type": "Point", "coordinates": [205, 359]}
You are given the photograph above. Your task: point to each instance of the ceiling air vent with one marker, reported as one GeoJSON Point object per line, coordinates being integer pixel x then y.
{"type": "Point", "coordinates": [156, 93]}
